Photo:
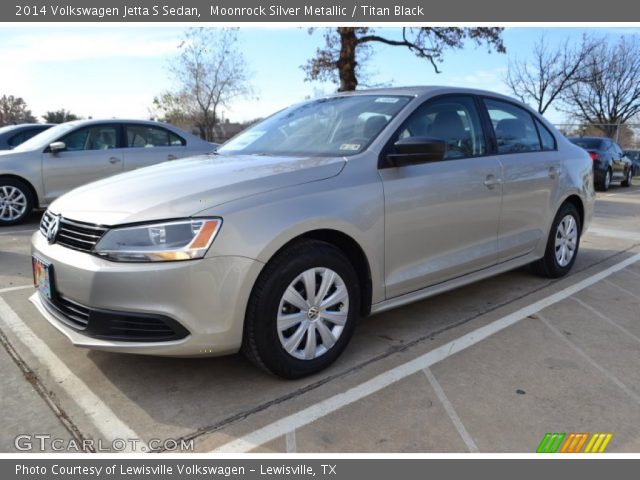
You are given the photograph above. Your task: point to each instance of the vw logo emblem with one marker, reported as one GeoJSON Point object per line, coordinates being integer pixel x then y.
{"type": "Point", "coordinates": [52, 229]}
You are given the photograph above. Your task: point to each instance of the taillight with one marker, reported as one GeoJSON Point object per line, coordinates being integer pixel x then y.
{"type": "Point", "coordinates": [594, 156]}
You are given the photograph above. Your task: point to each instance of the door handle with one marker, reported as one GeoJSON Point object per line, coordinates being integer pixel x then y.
{"type": "Point", "coordinates": [171, 157]}
{"type": "Point", "coordinates": [491, 181]}
{"type": "Point", "coordinates": [113, 160]}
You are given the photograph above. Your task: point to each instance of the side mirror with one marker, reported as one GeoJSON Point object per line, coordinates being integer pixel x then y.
{"type": "Point", "coordinates": [56, 147]}
{"type": "Point", "coordinates": [416, 150]}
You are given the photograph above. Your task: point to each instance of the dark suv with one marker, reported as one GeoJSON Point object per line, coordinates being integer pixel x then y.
{"type": "Point", "coordinates": [609, 161]}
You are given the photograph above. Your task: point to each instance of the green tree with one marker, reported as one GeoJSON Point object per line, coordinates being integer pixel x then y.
{"type": "Point", "coordinates": [14, 110]}
{"type": "Point", "coordinates": [60, 116]}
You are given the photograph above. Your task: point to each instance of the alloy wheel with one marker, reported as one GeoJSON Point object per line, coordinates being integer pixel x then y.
{"type": "Point", "coordinates": [13, 203]}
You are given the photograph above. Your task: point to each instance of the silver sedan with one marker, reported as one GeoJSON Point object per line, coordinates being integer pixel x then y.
{"type": "Point", "coordinates": [325, 212]}
{"type": "Point", "coordinates": [66, 156]}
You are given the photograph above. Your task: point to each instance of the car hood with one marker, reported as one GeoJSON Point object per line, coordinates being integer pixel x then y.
{"type": "Point", "coordinates": [185, 187]}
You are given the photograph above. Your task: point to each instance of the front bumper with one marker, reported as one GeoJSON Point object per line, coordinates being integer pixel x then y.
{"type": "Point", "coordinates": [206, 297]}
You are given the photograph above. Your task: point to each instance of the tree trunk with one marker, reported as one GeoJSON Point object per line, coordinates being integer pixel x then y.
{"type": "Point", "coordinates": [347, 61]}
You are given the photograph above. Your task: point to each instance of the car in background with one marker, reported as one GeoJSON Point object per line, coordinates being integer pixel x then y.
{"type": "Point", "coordinates": [13, 135]}
{"type": "Point", "coordinates": [72, 154]}
{"type": "Point", "coordinates": [634, 156]}
{"type": "Point", "coordinates": [609, 161]}
{"type": "Point", "coordinates": [324, 212]}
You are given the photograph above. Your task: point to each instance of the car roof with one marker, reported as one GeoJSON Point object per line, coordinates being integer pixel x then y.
{"type": "Point", "coordinates": [93, 121]}
{"type": "Point", "coordinates": [426, 90]}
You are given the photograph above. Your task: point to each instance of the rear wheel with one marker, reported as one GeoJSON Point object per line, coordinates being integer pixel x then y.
{"type": "Point", "coordinates": [627, 179]}
{"type": "Point", "coordinates": [16, 201]}
{"type": "Point", "coordinates": [302, 310]}
{"type": "Point", "coordinates": [562, 244]}
{"type": "Point", "coordinates": [605, 183]}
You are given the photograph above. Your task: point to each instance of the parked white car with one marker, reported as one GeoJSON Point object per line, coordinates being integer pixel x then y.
{"type": "Point", "coordinates": [71, 154]}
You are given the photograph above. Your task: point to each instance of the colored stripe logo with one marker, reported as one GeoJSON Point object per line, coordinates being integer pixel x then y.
{"type": "Point", "coordinates": [574, 442]}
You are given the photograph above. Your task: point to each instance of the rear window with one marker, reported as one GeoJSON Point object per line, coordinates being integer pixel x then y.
{"type": "Point", "coordinates": [588, 143]}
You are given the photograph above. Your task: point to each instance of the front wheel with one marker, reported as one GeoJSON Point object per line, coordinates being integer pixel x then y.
{"type": "Point", "coordinates": [302, 310]}
{"type": "Point", "coordinates": [16, 201]}
{"type": "Point", "coordinates": [562, 244]}
{"type": "Point", "coordinates": [627, 179]}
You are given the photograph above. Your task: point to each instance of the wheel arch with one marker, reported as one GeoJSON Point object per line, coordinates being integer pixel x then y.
{"type": "Point", "coordinates": [576, 201]}
{"type": "Point", "coordinates": [32, 190]}
{"type": "Point", "coordinates": [354, 252]}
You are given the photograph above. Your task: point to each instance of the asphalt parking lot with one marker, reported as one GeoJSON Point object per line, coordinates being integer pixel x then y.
{"type": "Point", "coordinates": [490, 367]}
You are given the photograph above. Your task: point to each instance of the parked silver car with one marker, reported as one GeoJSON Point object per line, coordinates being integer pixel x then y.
{"type": "Point", "coordinates": [71, 154]}
{"type": "Point", "coordinates": [13, 135]}
{"type": "Point", "coordinates": [325, 212]}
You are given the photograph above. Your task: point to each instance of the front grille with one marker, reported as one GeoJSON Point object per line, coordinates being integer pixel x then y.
{"type": "Point", "coordinates": [74, 314]}
{"type": "Point", "coordinates": [114, 325]}
{"type": "Point", "coordinates": [80, 236]}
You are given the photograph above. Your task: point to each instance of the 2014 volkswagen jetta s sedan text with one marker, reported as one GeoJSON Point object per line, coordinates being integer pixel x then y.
{"type": "Point", "coordinates": [323, 213]}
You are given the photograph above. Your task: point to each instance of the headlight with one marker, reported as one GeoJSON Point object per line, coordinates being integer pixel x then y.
{"type": "Point", "coordinates": [159, 242]}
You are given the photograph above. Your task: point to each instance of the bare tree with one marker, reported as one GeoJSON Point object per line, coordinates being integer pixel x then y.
{"type": "Point", "coordinates": [346, 49]}
{"type": "Point", "coordinates": [210, 72]}
{"type": "Point", "coordinates": [549, 73]}
{"type": "Point", "coordinates": [609, 94]}
{"type": "Point", "coordinates": [14, 110]}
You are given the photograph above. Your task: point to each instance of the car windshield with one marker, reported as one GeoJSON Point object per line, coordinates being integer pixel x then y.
{"type": "Point", "coordinates": [335, 126]}
{"type": "Point", "coordinates": [45, 138]}
{"type": "Point", "coordinates": [587, 143]}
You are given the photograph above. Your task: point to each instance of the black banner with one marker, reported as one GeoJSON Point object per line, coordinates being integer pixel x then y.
{"type": "Point", "coordinates": [316, 11]}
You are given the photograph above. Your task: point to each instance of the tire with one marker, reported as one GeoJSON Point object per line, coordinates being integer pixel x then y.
{"type": "Point", "coordinates": [605, 183]}
{"type": "Point", "coordinates": [550, 265]}
{"type": "Point", "coordinates": [627, 179]}
{"type": "Point", "coordinates": [304, 263]}
{"type": "Point", "coordinates": [16, 201]}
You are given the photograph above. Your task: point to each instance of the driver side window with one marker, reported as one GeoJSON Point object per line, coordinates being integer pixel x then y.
{"type": "Point", "coordinates": [98, 137]}
{"type": "Point", "coordinates": [453, 119]}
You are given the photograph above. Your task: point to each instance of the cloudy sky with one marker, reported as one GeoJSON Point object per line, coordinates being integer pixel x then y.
{"type": "Point", "coordinates": [104, 72]}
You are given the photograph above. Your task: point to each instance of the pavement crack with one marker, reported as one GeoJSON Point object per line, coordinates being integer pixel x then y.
{"type": "Point", "coordinates": [47, 395]}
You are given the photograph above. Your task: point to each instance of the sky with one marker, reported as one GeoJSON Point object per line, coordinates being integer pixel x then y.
{"type": "Point", "coordinates": [106, 72]}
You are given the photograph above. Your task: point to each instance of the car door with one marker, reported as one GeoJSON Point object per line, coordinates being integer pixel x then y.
{"type": "Point", "coordinates": [90, 153]}
{"type": "Point", "coordinates": [150, 144]}
{"type": "Point", "coordinates": [531, 177]}
{"type": "Point", "coordinates": [441, 218]}
{"type": "Point", "coordinates": [619, 164]}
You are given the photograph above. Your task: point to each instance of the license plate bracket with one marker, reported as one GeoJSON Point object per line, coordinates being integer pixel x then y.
{"type": "Point", "coordinates": [42, 276]}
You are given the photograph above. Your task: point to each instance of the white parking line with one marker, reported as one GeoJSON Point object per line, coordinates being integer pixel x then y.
{"type": "Point", "coordinates": [615, 233]}
{"type": "Point", "coordinates": [591, 361]}
{"type": "Point", "coordinates": [606, 319]}
{"type": "Point", "coordinates": [291, 442]}
{"type": "Point", "coordinates": [17, 231]}
{"type": "Point", "coordinates": [615, 285]}
{"type": "Point", "coordinates": [635, 274]}
{"type": "Point", "coordinates": [331, 404]}
{"type": "Point", "coordinates": [448, 407]}
{"type": "Point", "coordinates": [13, 289]}
{"type": "Point", "coordinates": [102, 417]}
